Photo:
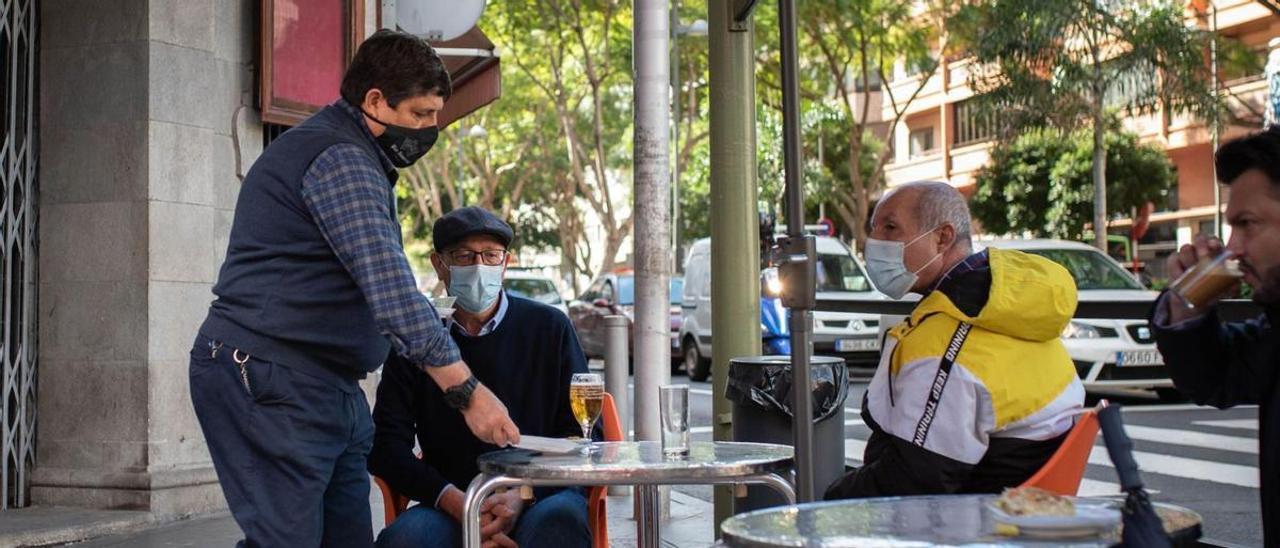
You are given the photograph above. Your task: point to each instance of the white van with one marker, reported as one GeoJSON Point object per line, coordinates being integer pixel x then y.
{"type": "Point", "coordinates": [840, 277]}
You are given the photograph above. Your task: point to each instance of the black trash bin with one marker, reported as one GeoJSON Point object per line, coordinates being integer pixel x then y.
{"type": "Point", "coordinates": [760, 389]}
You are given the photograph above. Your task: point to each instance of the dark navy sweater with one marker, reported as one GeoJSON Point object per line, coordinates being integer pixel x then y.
{"type": "Point", "coordinates": [527, 361]}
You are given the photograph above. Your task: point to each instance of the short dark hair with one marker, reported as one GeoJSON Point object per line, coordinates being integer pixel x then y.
{"type": "Point", "coordinates": [400, 65]}
{"type": "Point", "coordinates": [1260, 151]}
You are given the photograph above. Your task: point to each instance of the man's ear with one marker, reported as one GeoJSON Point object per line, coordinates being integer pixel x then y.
{"type": "Point", "coordinates": [946, 237]}
{"type": "Point", "coordinates": [372, 99]}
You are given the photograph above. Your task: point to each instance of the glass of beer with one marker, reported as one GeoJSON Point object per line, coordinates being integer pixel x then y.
{"type": "Point", "coordinates": [1206, 280]}
{"type": "Point", "coordinates": [586, 397]}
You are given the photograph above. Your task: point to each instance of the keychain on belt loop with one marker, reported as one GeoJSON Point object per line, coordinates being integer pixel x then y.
{"type": "Point", "coordinates": [244, 375]}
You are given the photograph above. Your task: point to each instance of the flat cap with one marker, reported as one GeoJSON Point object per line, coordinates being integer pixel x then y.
{"type": "Point", "coordinates": [460, 223]}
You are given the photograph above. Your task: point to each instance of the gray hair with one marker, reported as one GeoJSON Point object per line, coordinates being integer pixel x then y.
{"type": "Point", "coordinates": [941, 204]}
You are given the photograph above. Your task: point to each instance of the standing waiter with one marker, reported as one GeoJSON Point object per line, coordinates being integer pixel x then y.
{"type": "Point", "coordinates": [314, 293]}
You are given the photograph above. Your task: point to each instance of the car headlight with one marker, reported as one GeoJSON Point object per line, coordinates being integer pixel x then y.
{"type": "Point", "coordinates": [1077, 330]}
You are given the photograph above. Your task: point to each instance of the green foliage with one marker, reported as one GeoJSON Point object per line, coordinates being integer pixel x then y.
{"type": "Point", "coordinates": [1056, 62]}
{"type": "Point", "coordinates": [1041, 182]}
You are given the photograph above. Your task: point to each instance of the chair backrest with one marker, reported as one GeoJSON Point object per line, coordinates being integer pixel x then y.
{"type": "Point", "coordinates": [1065, 469]}
{"type": "Point", "coordinates": [393, 503]}
{"type": "Point", "coordinates": [609, 421]}
{"type": "Point", "coordinates": [597, 513]}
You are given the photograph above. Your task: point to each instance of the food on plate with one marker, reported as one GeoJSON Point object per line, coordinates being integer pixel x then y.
{"type": "Point", "coordinates": [1034, 501]}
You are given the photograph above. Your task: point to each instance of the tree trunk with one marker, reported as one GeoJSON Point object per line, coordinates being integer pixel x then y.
{"type": "Point", "coordinates": [1099, 157]}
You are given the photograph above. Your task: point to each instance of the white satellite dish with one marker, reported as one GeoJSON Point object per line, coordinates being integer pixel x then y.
{"type": "Point", "coordinates": [438, 20]}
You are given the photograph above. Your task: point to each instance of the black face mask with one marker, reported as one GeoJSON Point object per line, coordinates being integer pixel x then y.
{"type": "Point", "coordinates": [405, 145]}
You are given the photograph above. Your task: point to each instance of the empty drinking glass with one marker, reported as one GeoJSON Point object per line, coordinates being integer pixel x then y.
{"type": "Point", "coordinates": [673, 403]}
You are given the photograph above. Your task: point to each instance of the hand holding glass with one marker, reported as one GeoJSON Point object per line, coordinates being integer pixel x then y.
{"type": "Point", "coordinates": [1204, 283]}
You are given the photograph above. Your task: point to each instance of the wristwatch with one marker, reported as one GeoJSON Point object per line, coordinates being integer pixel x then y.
{"type": "Point", "coordinates": [459, 396]}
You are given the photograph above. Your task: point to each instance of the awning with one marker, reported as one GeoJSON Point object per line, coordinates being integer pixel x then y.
{"type": "Point", "coordinates": [473, 64]}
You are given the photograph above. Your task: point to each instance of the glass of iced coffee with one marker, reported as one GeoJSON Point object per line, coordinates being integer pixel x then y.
{"type": "Point", "coordinates": [1207, 280]}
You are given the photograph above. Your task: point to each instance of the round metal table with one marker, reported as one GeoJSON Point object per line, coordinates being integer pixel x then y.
{"type": "Point", "coordinates": [953, 520]}
{"type": "Point", "coordinates": [641, 464]}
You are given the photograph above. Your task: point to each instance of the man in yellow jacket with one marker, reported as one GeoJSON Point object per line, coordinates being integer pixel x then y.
{"type": "Point", "coordinates": [974, 391]}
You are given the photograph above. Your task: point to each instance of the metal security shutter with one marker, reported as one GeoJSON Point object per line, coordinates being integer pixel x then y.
{"type": "Point", "coordinates": [18, 99]}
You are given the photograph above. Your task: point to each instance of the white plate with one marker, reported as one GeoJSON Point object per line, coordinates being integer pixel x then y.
{"type": "Point", "coordinates": [1092, 517]}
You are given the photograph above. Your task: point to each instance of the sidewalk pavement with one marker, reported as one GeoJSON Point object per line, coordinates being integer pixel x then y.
{"type": "Point", "coordinates": [690, 525]}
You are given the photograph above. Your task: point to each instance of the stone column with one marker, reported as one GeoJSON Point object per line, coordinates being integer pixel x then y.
{"type": "Point", "coordinates": [145, 123]}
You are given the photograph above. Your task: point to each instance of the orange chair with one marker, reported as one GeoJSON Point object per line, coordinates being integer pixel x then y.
{"type": "Point", "coordinates": [597, 516]}
{"type": "Point", "coordinates": [1065, 469]}
{"type": "Point", "coordinates": [394, 504]}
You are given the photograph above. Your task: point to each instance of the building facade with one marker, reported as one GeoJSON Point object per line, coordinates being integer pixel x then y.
{"type": "Point", "coordinates": [128, 126]}
{"type": "Point", "coordinates": [942, 137]}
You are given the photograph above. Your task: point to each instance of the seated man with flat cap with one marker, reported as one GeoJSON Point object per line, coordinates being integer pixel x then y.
{"type": "Point", "coordinates": [526, 353]}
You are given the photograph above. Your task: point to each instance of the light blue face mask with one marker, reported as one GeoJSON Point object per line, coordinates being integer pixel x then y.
{"type": "Point", "coordinates": [887, 267]}
{"type": "Point", "coordinates": [477, 286]}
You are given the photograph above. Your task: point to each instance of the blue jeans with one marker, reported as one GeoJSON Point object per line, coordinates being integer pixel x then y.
{"type": "Point", "coordinates": [289, 449]}
{"type": "Point", "coordinates": [558, 521]}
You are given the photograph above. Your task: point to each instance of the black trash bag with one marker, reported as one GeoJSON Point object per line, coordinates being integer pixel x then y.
{"type": "Point", "coordinates": [1142, 527]}
{"type": "Point", "coordinates": [765, 381]}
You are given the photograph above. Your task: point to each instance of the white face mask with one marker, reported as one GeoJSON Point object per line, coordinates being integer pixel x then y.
{"type": "Point", "coordinates": [887, 268]}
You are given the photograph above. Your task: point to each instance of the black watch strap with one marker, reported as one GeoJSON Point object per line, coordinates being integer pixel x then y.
{"type": "Point", "coordinates": [459, 396]}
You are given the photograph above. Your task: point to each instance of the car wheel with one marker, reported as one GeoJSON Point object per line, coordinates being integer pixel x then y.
{"type": "Point", "coordinates": [698, 368]}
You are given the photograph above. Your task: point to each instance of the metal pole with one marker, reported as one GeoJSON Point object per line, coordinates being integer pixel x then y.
{"type": "Point", "coordinates": [616, 376]}
{"type": "Point", "coordinates": [801, 316]}
{"type": "Point", "coordinates": [675, 134]}
{"type": "Point", "coordinates": [735, 240]}
{"type": "Point", "coordinates": [652, 328]}
{"type": "Point", "coordinates": [648, 527]}
{"type": "Point", "coordinates": [1213, 60]}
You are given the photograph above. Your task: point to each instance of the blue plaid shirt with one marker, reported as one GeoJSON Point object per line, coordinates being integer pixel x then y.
{"type": "Point", "coordinates": [353, 205]}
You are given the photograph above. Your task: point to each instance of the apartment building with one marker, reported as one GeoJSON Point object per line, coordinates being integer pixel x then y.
{"type": "Point", "coordinates": [942, 138]}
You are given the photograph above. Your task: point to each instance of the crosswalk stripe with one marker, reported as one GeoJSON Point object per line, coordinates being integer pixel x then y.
{"type": "Point", "coordinates": [1182, 467]}
{"type": "Point", "coordinates": [1192, 438]}
{"type": "Point", "coordinates": [1241, 424]}
{"type": "Point", "coordinates": [1232, 474]}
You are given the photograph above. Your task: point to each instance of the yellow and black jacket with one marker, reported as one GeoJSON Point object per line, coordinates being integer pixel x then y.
{"type": "Point", "coordinates": [975, 390]}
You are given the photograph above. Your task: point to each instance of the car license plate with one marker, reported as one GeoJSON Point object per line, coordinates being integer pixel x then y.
{"type": "Point", "coordinates": [857, 345]}
{"type": "Point", "coordinates": [1139, 357]}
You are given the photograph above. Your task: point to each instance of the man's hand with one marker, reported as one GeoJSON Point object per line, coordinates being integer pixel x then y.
{"type": "Point", "coordinates": [1203, 248]}
{"type": "Point", "coordinates": [499, 515]}
{"type": "Point", "coordinates": [488, 419]}
{"type": "Point", "coordinates": [486, 415]}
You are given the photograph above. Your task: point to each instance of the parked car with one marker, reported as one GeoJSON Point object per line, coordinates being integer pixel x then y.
{"type": "Point", "coordinates": [614, 294]}
{"type": "Point", "coordinates": [851, 336]}
{"type": "Point", "coordinates": [1107, 353]}
{"type": "Point", "coordinates": [535, 287]}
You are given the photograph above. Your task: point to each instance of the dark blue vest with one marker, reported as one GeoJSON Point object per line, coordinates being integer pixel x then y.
{"type": "Point", "coordinates": [282, 294]}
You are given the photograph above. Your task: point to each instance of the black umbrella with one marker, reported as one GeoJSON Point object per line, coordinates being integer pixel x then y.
{"type": "Point", "coordinates": [1142, 527]}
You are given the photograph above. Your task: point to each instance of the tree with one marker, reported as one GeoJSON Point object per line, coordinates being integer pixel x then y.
{"type": "Point", "coordinates": [850, 47]}
{"type": "Point", "coordinates": [573, 56]}
{"type": "Point", "coordinates": [1063, 63]}
{"type": "Point", "coordinates": [1041, 183]}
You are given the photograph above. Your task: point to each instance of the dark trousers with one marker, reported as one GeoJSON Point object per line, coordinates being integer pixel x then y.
{"type": "Point", "coordinates": [559, 521]}
{"type": "Point", "coordinates": [289, 449]}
